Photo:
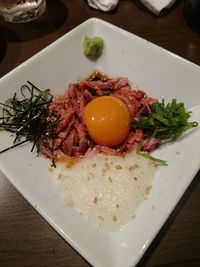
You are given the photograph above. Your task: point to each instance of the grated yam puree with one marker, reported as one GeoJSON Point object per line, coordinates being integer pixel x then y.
{"type": "Point", "coordinates": [107, 190]}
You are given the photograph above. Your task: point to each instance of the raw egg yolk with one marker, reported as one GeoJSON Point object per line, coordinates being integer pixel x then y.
{"type": "Point", "coordinates": [108, 120]}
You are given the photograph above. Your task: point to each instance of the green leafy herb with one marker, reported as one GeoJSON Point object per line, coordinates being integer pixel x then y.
{"type": "Point", "coordinates": [167, 122]}
{"type": "Point", "coordinates": [28, 118]}
{"type": "Point", "coordinates": [148, 156]}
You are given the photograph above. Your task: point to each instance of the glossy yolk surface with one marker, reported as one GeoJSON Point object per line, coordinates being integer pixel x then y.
{"type": "Point", "coordinates": [107, 119]}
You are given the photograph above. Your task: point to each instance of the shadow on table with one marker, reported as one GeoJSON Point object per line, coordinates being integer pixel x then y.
{"type": "Point", "coordinates": [191, 24]}
{"type": "Point", "coordinates": [3, 44]}
{"type": "Point", "coordinates": [54, 16]}
{"type": "Point", "coordinates": [168, 223]}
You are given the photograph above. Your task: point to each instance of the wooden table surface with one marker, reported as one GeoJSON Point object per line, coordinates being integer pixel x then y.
{"type": "Point", "coordinates": [26, 239]}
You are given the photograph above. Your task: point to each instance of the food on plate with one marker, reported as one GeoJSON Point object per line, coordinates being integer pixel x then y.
{"type": "Point", "coordinates": [73, 136]}
{"type": "Point", "coordinates": [106, 189]}
{"type": "Point", "coordinates": [71, 125]}
{"type": "Point", "coordinates": [107, 120]}
{"type": "Point", "coordinates": [27, 116]}
{"type": "Point", "coordinates": [93, 46]}
{"type": "Point", "coordinates": [106, 115]}
{"type": "Point", "coordinates": [167, 122]}
{"type": "Point", "coordinates": [99, 135]}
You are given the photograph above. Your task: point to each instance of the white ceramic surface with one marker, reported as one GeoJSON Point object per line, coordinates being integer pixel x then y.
{"type": "Point", "coordinates": [161, 74]}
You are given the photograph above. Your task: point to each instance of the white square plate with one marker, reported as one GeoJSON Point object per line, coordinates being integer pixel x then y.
{"type": "Point", "coordinates": [161, 74]}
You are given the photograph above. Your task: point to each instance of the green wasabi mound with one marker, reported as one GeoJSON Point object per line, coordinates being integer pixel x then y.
{"type": "Point", "coordinates": [93, 46]}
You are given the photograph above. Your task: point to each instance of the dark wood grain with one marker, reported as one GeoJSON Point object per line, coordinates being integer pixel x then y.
{"type": "Point", "coordinates": [26, 239]}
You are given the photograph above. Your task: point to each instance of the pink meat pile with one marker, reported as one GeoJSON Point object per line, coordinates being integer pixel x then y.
{"type": "Point", "coordinates": [71, 137]}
